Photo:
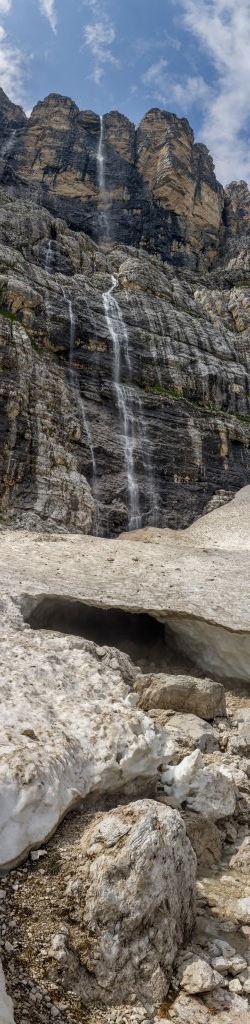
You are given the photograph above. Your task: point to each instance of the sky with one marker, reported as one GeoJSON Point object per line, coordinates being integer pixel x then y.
{"type": "Point", "coordinates": [191, 57]}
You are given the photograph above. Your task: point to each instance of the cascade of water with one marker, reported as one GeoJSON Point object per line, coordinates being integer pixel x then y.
{"type": "Point", "coordinates": [100, 156]}
{"type": "Point", "coordinates": [9, 144]}
{"type": "Point", "coordinates": [119, 336]}
{"type": "Point", "coordinates": [49, 257]}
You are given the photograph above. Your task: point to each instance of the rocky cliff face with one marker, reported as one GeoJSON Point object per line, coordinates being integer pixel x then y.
{"type": "Point", "coordinates": [152, 187]}
{"type": "Point", "coordinates": [125, 305]}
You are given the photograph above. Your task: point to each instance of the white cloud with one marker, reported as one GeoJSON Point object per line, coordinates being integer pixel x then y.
{"type": "Point", "coordinates": [165, 42]}
{"type": "Point", "coordinates": [12, 68]}
{"type": "Point", "coordinates": [222, 27]}
{"type": "Point", "coordinates": [5, 6]}
{"type": "Point", "coordinates": [156, 79]}
{"type": "Point", "coordinates": [166, 90]}
{"type": "Point", "coordinates": [155, 73]}
{"type": "Point", "coordinates": [193, 91]}
{"type": "Point", "coordinates": [99, 35]}
{"type": "Point", "coordinates": [47, 7]}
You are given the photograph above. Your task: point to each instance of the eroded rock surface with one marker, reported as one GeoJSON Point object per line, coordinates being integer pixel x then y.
{"type": "Point", "coordinates": [113, 333]}
{"type": "Point", "coordinates": [158, 190]}
{"type": "Point", "coordinates": [131, 895]}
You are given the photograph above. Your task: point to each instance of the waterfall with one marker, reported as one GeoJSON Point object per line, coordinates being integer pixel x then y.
{"type": "Point", "coordinates": [100, 157]}
{"type": "Point", "coordinates": [49, 257]}
{"type": "Point", "coordinates": [119, 336]}
{"type": "Point", "coordinates": [9, 144]}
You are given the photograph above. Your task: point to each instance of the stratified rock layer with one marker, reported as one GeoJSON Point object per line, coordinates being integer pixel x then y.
{"type": "Point", "coordinates": [125, 322]}
{"type": "Point", "coordinates": [183, 379]}
{"type": "Point", "coordinates": [157, 188]}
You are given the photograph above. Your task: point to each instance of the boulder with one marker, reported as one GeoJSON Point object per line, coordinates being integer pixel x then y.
{"type": "Point", "coordinates": [190, 731]}
{"type": "Point", "coordinates": [227, 1007]}
{"type": "Point", "coordinates": [196, 976]}
{"type": "Point", "coordinates": [202, 697]}
{"type": "Point", "coordinates": [241, 860]}
{"type": "Point", "coordinates": [6, 1007]}
{"type": "Point", "coordinates": [241, 909]}
{"type": "Point", "coordinates": [239, 743]}
{"type": "Point", "coordinates": [233, 965]}
{"type": "Point", "coordinates": [208, 791]}
{"type": "Point", "coordinates": [190, 1010]}
{"type": "Point", "coordinates": [131, 902]}
{"type": "Point", "coordinates": [206, 839]}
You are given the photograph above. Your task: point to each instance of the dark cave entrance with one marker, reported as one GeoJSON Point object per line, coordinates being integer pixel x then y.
{"type": "Point", "coordinates": [139, 635]}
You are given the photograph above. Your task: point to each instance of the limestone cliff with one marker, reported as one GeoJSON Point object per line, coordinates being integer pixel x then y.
{"type": "Point", "coordinates": [125, 322]}
{"type": "Point", "coordinates": [158, 188]}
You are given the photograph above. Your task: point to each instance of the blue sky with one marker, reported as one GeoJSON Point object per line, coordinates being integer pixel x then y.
{"type": "Point", "coordinates": [188, 56]}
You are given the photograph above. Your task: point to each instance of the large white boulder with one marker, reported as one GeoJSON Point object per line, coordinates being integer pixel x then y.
{"type": "Point", "coordinates": [6, 1006]}
{"type": "Point", "coordinates": [131, 903]}
{"type": "Point", "coordinates": [196, 976]}
{"type": "Point", "coordinates": [68, 728]}
{"type": "Point", "coordinates": [208, 791]}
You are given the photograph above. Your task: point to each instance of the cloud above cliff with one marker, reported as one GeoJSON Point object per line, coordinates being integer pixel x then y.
{"type": "Point", "coordinates": [222, 30]}
{"type": "Point", "coordinates": [11, 60]}
{"type": "Point", "coordinates": [192, 91]}
{"type": "Point", "coordinates": [47, 8]}
{"type": "Point", "coordinates": [99, 35]}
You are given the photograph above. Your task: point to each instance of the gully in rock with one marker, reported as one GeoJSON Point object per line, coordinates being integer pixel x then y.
{"type": "Point", "coordinates": [118, 333]}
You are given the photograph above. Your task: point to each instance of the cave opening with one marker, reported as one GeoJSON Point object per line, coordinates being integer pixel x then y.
{"type": "Point", "coordinates": [139, 635]}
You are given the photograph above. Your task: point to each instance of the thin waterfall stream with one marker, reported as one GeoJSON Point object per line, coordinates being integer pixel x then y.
{"type": "Point", "coordinates": [8, 146]}
{"type": "Point", "coordinates": [49, 258]}
{"type": "Point", "coordinates": [119, 336]}
{"type": "Point", "coordinates": [100, 157]}
{"type": "Point", "coordinates": [128, 401]}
